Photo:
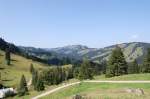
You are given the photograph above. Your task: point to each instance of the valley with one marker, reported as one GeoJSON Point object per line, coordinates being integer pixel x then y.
{"type": "Point", "coordinates": [69, 71]}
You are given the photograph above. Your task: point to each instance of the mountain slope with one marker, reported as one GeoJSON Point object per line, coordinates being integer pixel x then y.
{"type": "Point", "coordinates": [133, 50]}
{"type": "Point", "coordinates": [73, 51]}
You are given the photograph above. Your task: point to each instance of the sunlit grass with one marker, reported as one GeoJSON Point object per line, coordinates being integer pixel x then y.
{"type": "Point", "coordinates": [101, 91]}
{"type": "Point", "coordinates": [126, 77]}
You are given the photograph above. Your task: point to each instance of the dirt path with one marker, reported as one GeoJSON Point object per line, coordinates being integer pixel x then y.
{"type": "Point", "coordinates": [54, 90]}
{"type": "Point", "coordinates": [89, 81]}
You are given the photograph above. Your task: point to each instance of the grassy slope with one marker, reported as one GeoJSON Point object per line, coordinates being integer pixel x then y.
{"type": "Point", "coordinates": [125, 77]}
{"type": "Point", "coordinates": [101, 91]}
{"type": "Point", "coordinates": [11, 75]}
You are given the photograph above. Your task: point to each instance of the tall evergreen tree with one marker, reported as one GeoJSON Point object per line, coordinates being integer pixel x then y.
{"type": "Point", "coordinates": [76, 72]}
{"type": "Point", "coordinates": [0, 77]}
{"type": "Point", "coordinates": [40, 84]}
{"type": "Point", "coordinates": [7, 56]}
{"type": "Point", "coordinates": [1, 83]}
{"type": "Point", "coordinates": [146, 64]}
{"type": "Point", "coordinates": [31, 68]}
{"type": "Point", "coordinates": [104, 65]}
{"type": "Point", "coordinates": [85, 71]}
{"type": "Point", "coordinates": [34, 78]}
{"type": "Point", "coordinates": [23, 90]}
{"type": "Point", "coordinates": [117, 64]}
{"type": "Point", "coordinates": [133, 67]}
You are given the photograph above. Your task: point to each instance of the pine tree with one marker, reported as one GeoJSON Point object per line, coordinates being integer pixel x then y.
{"type": "Point", "coordinates": [85, 71]}
{"type": "Point", "coordinates": [104, 65]}
{"type": "Point", "coordinates": [56, 76]}
{"type": "Point", "coordinates": [146, 64]}
{"type": "Point", "coordinates": [34, 78]}
{"type": "Point", "coordinates": [0, 77]}
{"type": "Point", "coordinates": [23, 90]}
{"type": "Point", "coordinates": [40, 84]}
{"type": "Point", "coordinates": [134, 67]}
{"type": "Point", "coordinates": [1, 83]}
{"type": "Point", "coordinates": [76, 72]}
{"type": "Point", "coordinates": [32, 68]}
{"type": "Point", "coordinates": [117, 64]}
{"type": "Point", "coordinates": [7, 56]}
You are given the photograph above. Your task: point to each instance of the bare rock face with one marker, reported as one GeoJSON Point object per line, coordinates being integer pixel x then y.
{"type": "Point", "coordinates": [135, 91]}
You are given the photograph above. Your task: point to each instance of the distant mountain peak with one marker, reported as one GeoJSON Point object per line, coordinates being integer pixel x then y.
{"type": "Point", "coordinates": [76, 47]}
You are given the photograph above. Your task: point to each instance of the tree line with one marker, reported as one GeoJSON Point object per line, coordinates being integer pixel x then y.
{"type": "Point", "coordinates": [55, 75]}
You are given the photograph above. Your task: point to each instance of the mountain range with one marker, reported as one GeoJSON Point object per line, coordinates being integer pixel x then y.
{"type": "Point", "coordinates": [132, 51]}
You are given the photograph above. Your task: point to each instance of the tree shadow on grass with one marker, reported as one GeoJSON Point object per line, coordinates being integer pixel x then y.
{"type": "Point", "coordinates": [14, 60]}
{"type": "Point", "coordinates": [7, 80]}
{"type": "Point", "coordinates": [2, 68]}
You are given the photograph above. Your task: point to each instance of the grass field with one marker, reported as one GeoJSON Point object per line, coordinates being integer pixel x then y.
{"type": "Point", "coordinates": [101, 91]}
{"type": "Point", "coordinates": [125, 77]}
{"type": "Point", "coordinates": [105, 91]}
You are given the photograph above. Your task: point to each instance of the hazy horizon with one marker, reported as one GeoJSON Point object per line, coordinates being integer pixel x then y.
{"type": "Point", "coordinates": [94, 23]}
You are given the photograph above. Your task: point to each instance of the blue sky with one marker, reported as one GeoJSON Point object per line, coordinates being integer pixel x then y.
{"type": "Point", "coordinates": [55, 23]}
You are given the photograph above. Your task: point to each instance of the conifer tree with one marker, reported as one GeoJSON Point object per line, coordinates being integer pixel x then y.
{"type": "Point", "coordinates": [34, 78]}
{"type": "Point", "coordinates": [1, 83]}
{"type": "Point", "coordinates": [7, 56]}
{"type": "Point", "coordinates": [23, 90]}
{"type": "Point", "coordinates": [76, 72]}
{"type": "Point", "coordinates": [40, 84]}
{"type": "Point", "coordinates": [117, 64]}
{"type": "Point", "coordinates": [85, 71]}
{"type": "Point", "coordinates": [134, 67]}
{"type": "Point", "coordinates": [146, 64]}
{"type": "Point", "coordinates": [31, 68]}
{"type": "Point", "coordinates": [0, 77]}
